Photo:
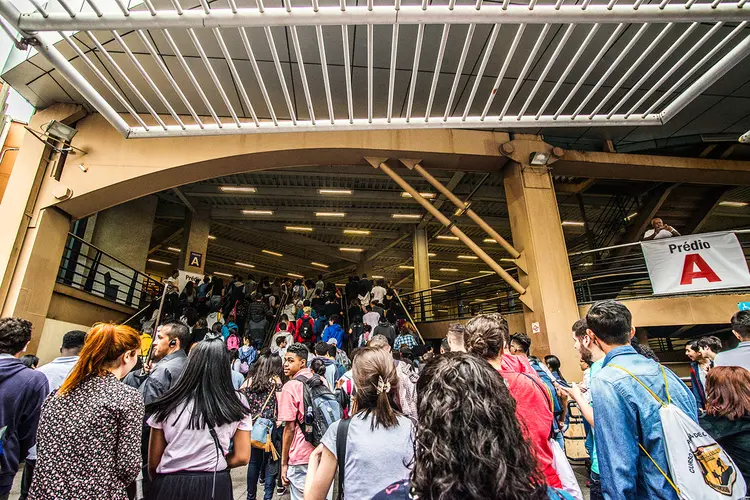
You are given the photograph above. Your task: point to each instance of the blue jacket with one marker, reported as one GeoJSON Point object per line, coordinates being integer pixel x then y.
{"type": "Point", "coordinates": [334, 331]}
{"type": "Point", "coordinates": [22, 392]}
{"type": "Point", "coordinates": [696, 386]}
{"type": "Point", "coordinates": [626, 414]}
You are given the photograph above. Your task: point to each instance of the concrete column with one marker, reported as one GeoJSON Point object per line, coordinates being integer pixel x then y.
{"type": "Point", "coordinates": [537, 232]}
{"type": "Point", "coordinates": [364, 266]}
{"type": "Point", "coordinates": [30, 290]}
{"type": "Point", "coordinates": [421, 261]}
{"type": "Point", "coordinates": [195, 241]}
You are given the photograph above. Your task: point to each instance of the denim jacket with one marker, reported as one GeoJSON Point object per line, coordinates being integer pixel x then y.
{"type": "Point", "coordinates": [625, 414]}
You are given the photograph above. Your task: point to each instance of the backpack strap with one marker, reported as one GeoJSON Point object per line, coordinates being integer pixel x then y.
{"type": "Point", "coordinates": [661, 402]}
{"type": "Point", "coordinates": [266, 403]}
{"type": "Point", "coordinates": [342, 434]}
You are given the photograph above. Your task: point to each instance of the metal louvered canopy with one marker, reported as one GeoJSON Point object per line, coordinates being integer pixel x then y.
{"type": "Point", "coordinates": [156, 70]}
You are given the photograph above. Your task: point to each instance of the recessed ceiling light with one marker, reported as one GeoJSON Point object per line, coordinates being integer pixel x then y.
{"type": "Point", "coordinates": [293, 275]}
{"type": "Point", "coordinates": [736, 204]}
{"type": "Point", "coordinates": [257, 212]}
{"type": "Point", "coordinates": [211, 237]}
{"type": "Point", "coordinates": [406, 216]}
{"type": "Point", "coordinates": [362, 232]}
{"type": "Point", "coordinates": [571, 223]}
{"type": "Point", "coordinates": [432, 254]}
{"type": "Point", "coordinates": [298, 228]}
{"type": "Point", "coordinates": [489, 240]}
{"type": "Point", "coordinates": [447, 237]}
{"type": "Point", "coordinates": [238, 189]}
{"type": "Point", "coordinates": [319, 264]}
{"type": "Point", "coordinates": [335, 191]}
{"type": "Point", "coordinates": [351, 249]}
{"type": "Point", "coordinates": [275, 254]}
{"type": "Point", "coordinates": [434, 281]}
{"type": "Point", "coordinates": [223, 274]}
{"type": "Point", "coordinates": [468, 257]}
{"type": "Point", "coordinates": [449, 270]}
{"type": "Point", "coordinates": [405, 267]}
{"type": "Point", "coordinates": [377, 277]}
{"type": "Point", "coordinates": [429, 196]}
{"type": "Point", "coordinates": [173, 249]}
{"type": "Point", "coordinates": [330, 214]}
{"type": "Point", "coordinates": [154, 261]}
{"type": "Point", "coordinates": [243, 264]}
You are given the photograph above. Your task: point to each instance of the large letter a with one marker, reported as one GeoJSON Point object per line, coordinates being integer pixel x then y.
{"type": "Point", "coordinates": [689, 273]}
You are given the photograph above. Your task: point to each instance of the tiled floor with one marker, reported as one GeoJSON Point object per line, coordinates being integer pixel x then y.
{"type": "Point", "coordinates": [240, 485]}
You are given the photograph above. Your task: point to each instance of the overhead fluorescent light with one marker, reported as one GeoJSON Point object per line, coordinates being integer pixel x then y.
{"type": "Point", "coordinates": [211, 237]}
{"type": "Point", "coordinates": [587, 264]}
{"type": "Point", "coordinates": [173, 249]}
{"type": "Point", "coordinates": [405, 267]}
{"type": "Point", "coordinates": [406, 216]}
{"type": "Point", "coordinates": [351, 249]}
{"type": "Point", "coordinates": [429, 196]}
{"type": "Point", "coordinates": [154, 261]}
{"type": "Point", "coordinates": [736, 204]}
{"type": "Point", "coordinates": [257, 212]}
{"type": "Point", "coordinates": [299, 228]}
{"type": "Point", "coordinates": [223, 274]}
{"type": "Point", "coordinates": [275, 254]}
{"type": "Point", "coordinates": [434, 281]}
{"type": "Point", "coordinates": [489, 240]}
{"type": "Point", "coordinates": [320, 264]}
{"type": "Point", "coordinates": [330, 214]}
{"type": "Point", "coordinates": [438, 290]}
{"type": "Point", "coordinates": [627, 218]}
{"type": "Point", "coordinates": [362, 232]}
{"type": "Point", "coordinates": [449, 270]}
{"type": "Point", "coordinates": [572, 223]}
{"type": "Point", "coordinates": [375, 276]}
{"type": "Point", "coordinates": [447, 237]}
{"type": "Point", "coordinates": [238, 189]}
{"type": "Point", "coordinates": [487, 272]}
{"type": "Point", "coordinates": [432, 254]}
{"type": "Point", "coordinates": [468, 257]}
{"type": "Point", "coordinates": [335, 191]}
{"type": "Point", "coordinates": [293, 275]}
{"type": "Point", "coordinates": [243, 264]}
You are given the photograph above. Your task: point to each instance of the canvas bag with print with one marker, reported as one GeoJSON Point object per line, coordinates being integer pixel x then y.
{"type": "Point", "coordinates": [700, 469]}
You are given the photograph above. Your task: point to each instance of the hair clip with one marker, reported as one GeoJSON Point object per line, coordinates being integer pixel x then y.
{"type": "Point", "coordinates": [383, 386]}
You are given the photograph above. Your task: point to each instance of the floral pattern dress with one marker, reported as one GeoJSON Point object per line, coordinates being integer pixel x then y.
{"type": "Point", "coordinates": [89, 442]}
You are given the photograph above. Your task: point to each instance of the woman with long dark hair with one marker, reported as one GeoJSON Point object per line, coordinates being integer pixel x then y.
{"type": "Point", "coordinates": [377, 439]}
{"type": "Point", "coordinates": [191, 428]}
{"type": "Point", "coordinates": [89, 435]}
{"type": "Point", "coordinates": [261, 388]}
{"type": "Point", "coordinates": [469, 443]}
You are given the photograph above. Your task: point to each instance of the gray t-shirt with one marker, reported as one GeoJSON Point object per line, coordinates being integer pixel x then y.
{"type": "Point", "coordinates": [374, 459]}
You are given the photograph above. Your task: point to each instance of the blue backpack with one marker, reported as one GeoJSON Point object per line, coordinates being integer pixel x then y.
{"type": "Point", "coordinates": [321, 409]}
{"type": "Point", "coordinates": [247, 357]}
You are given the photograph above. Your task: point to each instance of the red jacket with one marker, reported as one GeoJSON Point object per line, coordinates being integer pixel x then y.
{"type": "Point", "coordinates": [534, 411]}
{"type": "Point", "coordinates": [297, 337]}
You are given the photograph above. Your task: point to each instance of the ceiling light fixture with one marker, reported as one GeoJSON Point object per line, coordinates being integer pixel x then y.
{"type": "Point", "coordinates": [468, 257]}
{"type": "Point", "coordinates": [449, 270]}
{"type": "Point", "coordinates": [428, 196]}
{"type": "Point", "coordinates": [434, 281]}
{"type": "Point", "coordinates": [432, 254]}
{"type": "Point", "coordinates": [447, 237]}
{"type": "Point", "coordinates": [223, 274]}
{"type": "Point", "coordinates": [293, 275]}
{"type": "Point", "coordinates": [244, 264]}
{"type": "Point", "coordinates": [330, 214]}
{"type": "Point", "coordinates": [745, 138]}
{"type": "Point", "coordinates": [238, 189]}
{"type": "Point", "coordinates": [319, 264]}
{"type": "Point", "coordinates": [335, 191]}
{"type": "Point", "coordinates": [489, 240]}
{"type": "Point", "coordinates": [351, 249]}
{"type": "Point", "coordinates": [735, 204]}
{"type": "Point", "coordinates": [362, 232]}
{"type": "Point", "coordinates": [304, 229]}
{"type": "Point", "coordinates": [257, 212]}
{"type": "Point", "coordinates": [275, 254]}
{"type": "Point", "coordinates": [211, 237]}
{"type": "Point", "coordinates": [173, 249]}
{"type": "Point", "coordinates": [405, 267]}
{"type": "Point", "coordinates": [154, 261]}
{"type": "Point", "coordinates": [629, 217]}
{"type": "Point", "coordinates": [406, 216]}
{"type": "Point", "coordinates": [572, 223]}
{"type": "Point", "coordinates": [487, 272]}
{"type": "Point", "coordinates": [340, 284]}
{"type": "Point", "coordinates": [377, 277]}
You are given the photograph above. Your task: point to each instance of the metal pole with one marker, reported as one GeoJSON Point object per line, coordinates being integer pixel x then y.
{"type": "Point", "coordinates": [378, 163]}
{"type": "Point", "coordinates": [472, 215]}
{"type": "Point", "coordinates": [406, 311]}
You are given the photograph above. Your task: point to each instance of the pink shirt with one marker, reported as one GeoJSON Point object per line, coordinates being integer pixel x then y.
{"type": "Point", "coordinates": [292, 409]}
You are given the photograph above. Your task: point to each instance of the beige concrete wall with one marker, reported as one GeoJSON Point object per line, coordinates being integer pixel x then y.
{"type": "Point", "coordinates": [438, 329]}
{"type": "Point", "coordinates": [13, 139]}
{"type": "Point", "coordinates": [124, 231]}
{"type": "Point", "coordinates": [51, 338]}
{"type": "Point", "coordinates": [76, 306]}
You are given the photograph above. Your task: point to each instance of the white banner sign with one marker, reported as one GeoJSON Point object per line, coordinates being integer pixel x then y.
{"type": "Point", "coordinates": [711, 261]}
{"type": "Point", "coordinates": [185, 276]}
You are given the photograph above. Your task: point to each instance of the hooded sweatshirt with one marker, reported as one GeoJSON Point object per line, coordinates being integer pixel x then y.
{"type": "Point", "coordinates": [330, 371]}
{"type": "Point", "coordinates": [334, 331]}
{"type": "Point", "coordinates": [22, 392]}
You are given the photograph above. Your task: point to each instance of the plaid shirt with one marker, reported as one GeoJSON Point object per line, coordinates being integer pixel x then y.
{"type": "Point", "coordinates": [407, 339]}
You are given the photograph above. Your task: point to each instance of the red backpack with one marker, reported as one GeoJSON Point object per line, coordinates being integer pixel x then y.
{"type": "Point", "coordinates": [233, 342]}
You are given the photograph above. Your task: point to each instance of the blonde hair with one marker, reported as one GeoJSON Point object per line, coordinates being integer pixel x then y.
{"type": "Point", "coordinates": [377, 386]}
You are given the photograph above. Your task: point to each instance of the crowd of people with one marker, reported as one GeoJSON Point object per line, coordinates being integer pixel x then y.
{"type": "Point", "coordinates": [341, 401]}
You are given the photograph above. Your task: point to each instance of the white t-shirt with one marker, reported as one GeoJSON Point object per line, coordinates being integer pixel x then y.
{"type": "Point", "coordinates": [374, 458]}
{"type": "Point", "coordinates": [378, 294]}
{"type": "Point", "coordinates": [663, 233]}
{"type": "Point", "coordinates": [371, 318]}
{"type": "Point", "coordinates": [194, 449]}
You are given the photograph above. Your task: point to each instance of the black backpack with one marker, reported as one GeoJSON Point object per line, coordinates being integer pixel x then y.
{"type": "Point", "coordinates": [306, 330]}
{"type": "Point", "coordinates": [357, 329]}
{"type": "Point", "coordinates": [321, 409]}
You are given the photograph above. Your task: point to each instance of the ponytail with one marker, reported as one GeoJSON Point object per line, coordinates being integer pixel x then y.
{"type": "Point", "coordinates": [104, 344]}
{"type": "Point", "coordinates": [377, 386]}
